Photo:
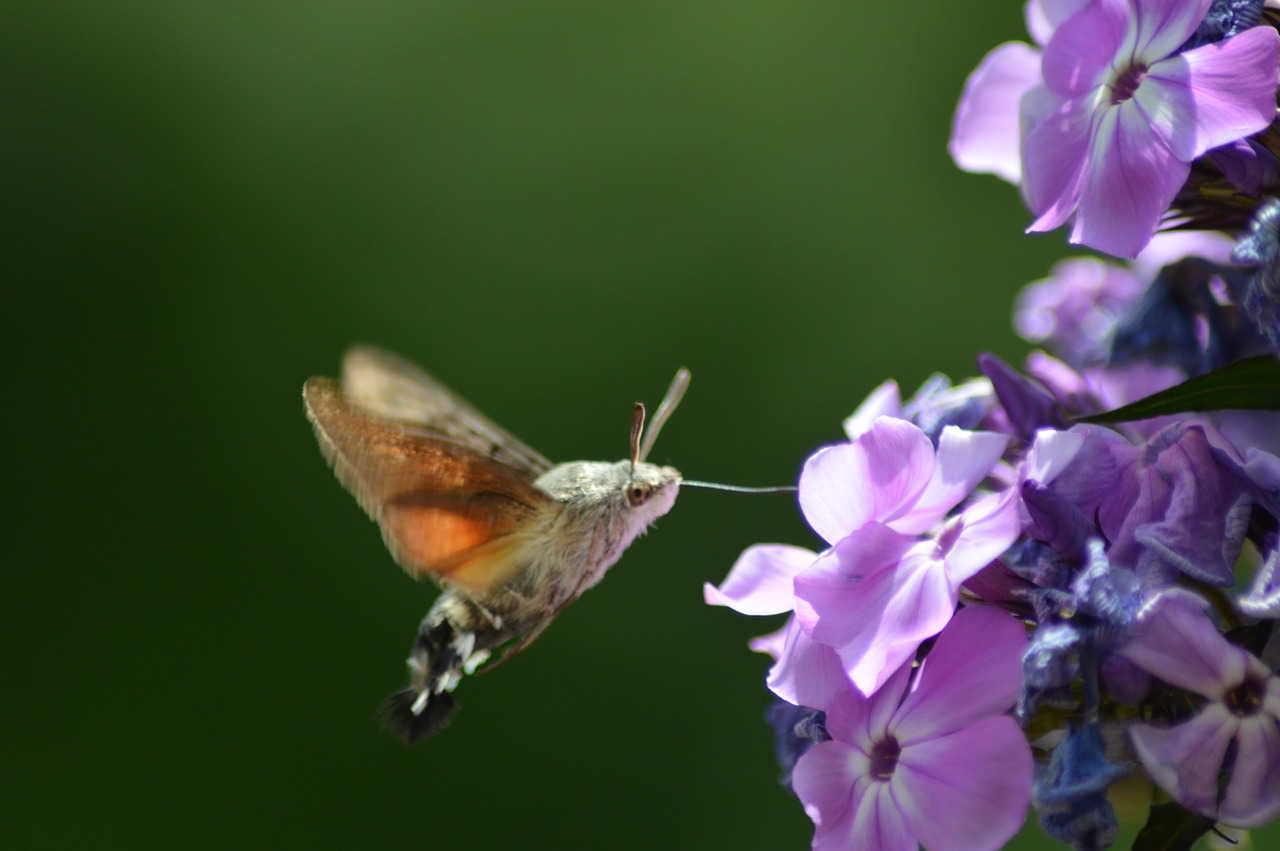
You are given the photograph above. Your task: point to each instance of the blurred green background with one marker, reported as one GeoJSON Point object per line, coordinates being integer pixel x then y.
{"type": "Point", "coordinates": [551, 206]}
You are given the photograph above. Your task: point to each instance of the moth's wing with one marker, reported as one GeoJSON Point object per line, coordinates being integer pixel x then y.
{"type": "Point", "coordinates": [391, 388]}
{"type": "Point", "coordinates": [446, 511]}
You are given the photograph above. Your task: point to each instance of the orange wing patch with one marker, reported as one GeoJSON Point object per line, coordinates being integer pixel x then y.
{"type": "Point", "coordinates": [446, 511]}
{"type": "Point", "coordinates": [470, 540]}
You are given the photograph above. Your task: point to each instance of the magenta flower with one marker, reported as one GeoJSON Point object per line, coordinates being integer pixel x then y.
{"type": "Point", "coordinates": [1177, 642]}
{"type": "Point", "coordinates": [936, 761]}
{"type": "Point", "coordinates": [1133, 113]}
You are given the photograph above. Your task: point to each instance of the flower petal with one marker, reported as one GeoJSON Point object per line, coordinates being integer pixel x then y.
{"type": "Point", "coordinates": [761, 582]}
{"type": "Point", "coordinates": [1054, 156]}
{"type": "Point", "coordinates": [876, 477]}
{"type": "Point", "coordinates": [839, 595]}
{"type": "Point", "coordinates": [863, 721]}
{"type": "Point", "coordinates": [1163, 25]}
{"type": "Point", "coordinates": [910, 603]}
{"type": "Point", "coordinates": [878, 823]}
{"type": "Point", "coordinates": [1051, 453]}
{"type": "Point", "coordinates": [985, 133]}
{"type": "Point", "coordinates": [1130, 182]}
{"type": "Point", "coordinates": [1214, 94]}
{"type": "Point", "coordinates": [967, 790]}
{"type": "Point", "coordinates": [884, 401]}
{"type": "Point", "coordinates": [1082, 49]}
{"type": "Point", "coordinates": [823, 780]}
{"type": "Point", "coordinates": [772, 643]}
{"type": "Point", "coordinates": [1252, 796]}
{"type": "Point", "coordinates": [1175, 641]}
{"type": "Point", "coordinates": [987, 529]}
{"type": "Point", "coordinates": [1044, 16]}
{"type": "Point", "coordinates": [806, 673]}
{"type": "Point", "coordinates": [1185, 760]}
{"type": "Point", "coordinates": [964, 459]}
{"type": "Point", "coordinates": [973, 671]}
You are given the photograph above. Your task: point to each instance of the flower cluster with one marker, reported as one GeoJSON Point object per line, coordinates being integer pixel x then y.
{"type": "Point", "coordinates": [1018, 601]}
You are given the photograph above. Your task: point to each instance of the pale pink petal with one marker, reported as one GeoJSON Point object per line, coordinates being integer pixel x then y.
{"type": "Point", "coordinates": [843, 593]}
{"type": "Point", "coordinates": [843, 487]}
{"type": "Point", "coordinates": [965, 458]}
{"type": "Point", "coordinates": [1252, 796]}
{"type": "Point", "coordinates": [987, 529]}
{"type": "Point", "coordinates": [878, 824]}
{"type": "Point", "coordinates": [1170, 246]}
{"type": "Point", "coordinates": [973, 671]}
{"type": "Point", "coordinates": [863, 721]}
{"type": "Point", "coordinates": [1081, 51]}
{"type": "Point", "coordinates": [1185, 760]}
{"type": "Point", "coordinates": [1163, 25]}
{"type": "Point", "coordinates": [884, 401]}
{"type": "Point", "coordinates": [1214, 94]}
{"type": "Point", "coordinates": [1050, 454]}
{"type": "Point", "coordinates": [1044, 16]}
{"type": "Point", "coordinates": [845, 589]}
{"type": "Point", "coordinates": [1131, 180]}
{"type": "Point", "coordinates": [760, 582]}
{"type": "Point", "coordinates": [1053, 163]}
{"type": "Point", "coordinates": [986, 136]}
{"type": "Point", "coordinates": [806, 673]}
{"type": "Point", "coordinates": [915, 602]}
{"type": "Point", "coordinates": [823, 780]}
{"type": "Point", "coordinates": [770, 644]}
{"type": "Point", "coordinates": [966, 791]}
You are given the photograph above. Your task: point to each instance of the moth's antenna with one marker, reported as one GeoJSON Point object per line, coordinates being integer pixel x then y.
{"type": "Point", "coordinates": [737, 488]}
{"type": "Point", "coordinates": [675, 393]}
{"type": "Point", "coordinates": [637, 427]}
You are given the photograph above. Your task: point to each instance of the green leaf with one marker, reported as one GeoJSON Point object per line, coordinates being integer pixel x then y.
{"type": "Point", "coordinates": [1171, 827]}
{"type": "Point", "coordinates": [1252, 385]}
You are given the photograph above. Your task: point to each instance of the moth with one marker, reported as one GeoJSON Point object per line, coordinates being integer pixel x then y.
{"type": "Point", "coordinates": [510, 538]}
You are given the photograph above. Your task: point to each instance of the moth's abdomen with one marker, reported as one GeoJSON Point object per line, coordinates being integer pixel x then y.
{"type": "Point", "coordinates": [453, 639]}
{"type": "Point", "coordinates": [413, 727]}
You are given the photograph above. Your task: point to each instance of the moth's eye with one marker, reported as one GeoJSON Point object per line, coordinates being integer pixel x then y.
{"type": "Point", "coordinates": [637, 494]}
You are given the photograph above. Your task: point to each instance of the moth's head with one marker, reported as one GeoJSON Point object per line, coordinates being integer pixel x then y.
{"type": "Point", "coordinates": [650, 490]}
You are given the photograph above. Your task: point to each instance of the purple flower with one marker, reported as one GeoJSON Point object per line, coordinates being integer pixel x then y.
{"type": "Point", "coordinates": [937, 761]}
{"type": "Point", "coordinates": [1133, 113]}
{"type": "Point", "coordinates": [1164, 506]}
{"type": "Point", "coordinates": [1236, 731]}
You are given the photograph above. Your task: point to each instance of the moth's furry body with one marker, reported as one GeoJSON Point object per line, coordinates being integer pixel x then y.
{"type": "Point", "coordinates": [567, 549]}
{"type": "Point", "coordinates": [458, 501]}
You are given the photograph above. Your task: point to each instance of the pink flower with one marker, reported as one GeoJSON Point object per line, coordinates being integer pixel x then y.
{"type": "Point", "coordinates": [937, 761]}
{"type": "Point", "coordinates": [1108, 123]}
{"type": "Point", "coordinates": [1134, 113]}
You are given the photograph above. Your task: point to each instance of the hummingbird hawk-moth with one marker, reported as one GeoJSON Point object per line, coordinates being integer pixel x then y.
{"type": "Point", "coordinates": [510, 538]}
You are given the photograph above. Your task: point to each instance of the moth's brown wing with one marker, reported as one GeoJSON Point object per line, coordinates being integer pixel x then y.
{"type": "Point", "coordinates": [391, 388]}
{"type": "Point", "coordinates": [446, 511]}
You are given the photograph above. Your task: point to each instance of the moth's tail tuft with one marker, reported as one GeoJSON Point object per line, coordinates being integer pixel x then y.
{"type": "Point", "coordinates": [399, 719]}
